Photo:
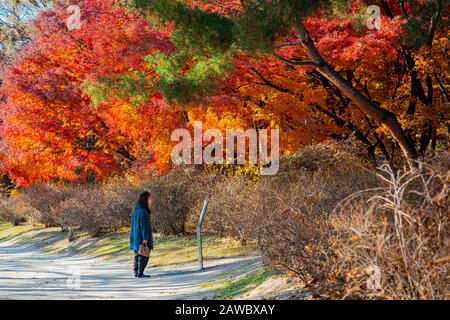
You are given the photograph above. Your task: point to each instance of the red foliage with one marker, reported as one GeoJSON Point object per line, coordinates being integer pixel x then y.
{"type": "Point", "coordinates": [50, 128]}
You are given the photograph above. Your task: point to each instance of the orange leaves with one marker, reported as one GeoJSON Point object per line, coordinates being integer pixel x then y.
{"type": "Point", "coordinates": [50, 130]}
{"type": "Point", "coordinates": [86, 99]}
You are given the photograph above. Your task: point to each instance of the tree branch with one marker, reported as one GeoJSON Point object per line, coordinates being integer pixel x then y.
{"type": "Point", "coordinates": [287, 44]}
{"type": "Point", "coordinates": [295, 62]}
{"type": "Point", "coordinates": [368, 106]}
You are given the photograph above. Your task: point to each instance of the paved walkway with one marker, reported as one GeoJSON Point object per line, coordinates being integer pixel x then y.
{"type": "Point", "coordinates": [27, 273]}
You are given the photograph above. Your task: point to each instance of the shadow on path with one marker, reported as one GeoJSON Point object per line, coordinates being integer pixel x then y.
{"type": "Point", "coordinates": [27, 273]}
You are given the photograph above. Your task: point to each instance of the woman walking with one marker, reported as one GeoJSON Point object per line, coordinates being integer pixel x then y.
{"type": "Point", "coordinates": [141, 233]}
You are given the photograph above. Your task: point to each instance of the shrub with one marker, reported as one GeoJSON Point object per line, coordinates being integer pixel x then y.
{"type": "Point", "coordinates": [43, 198]}
{"type": "Point", "coordinates": [226, 200]}
{"type": "Point", "coordinates": [287, 214]}
{"type": "Point", "coordinates": [393, 242]}
{"type": "Point", "coordinates": [97, 208]}
{"type": "Point", "coordinates": [293, 229]}
{"type": "Point", "coordinates": [118, 200]}
{"type": "Point", "coordinates": [8, 212]}
{"type": "Point", "coordinates": [84, 212]}
{"type": "Point", "coordinates": [174, 196]}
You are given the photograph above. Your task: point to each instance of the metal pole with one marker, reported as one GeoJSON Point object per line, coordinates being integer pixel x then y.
{"type": "Point", "coordinates": [199, 234]}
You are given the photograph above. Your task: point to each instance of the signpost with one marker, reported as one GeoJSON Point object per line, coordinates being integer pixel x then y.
{"type": "Point", "coordinates": [199, 234]}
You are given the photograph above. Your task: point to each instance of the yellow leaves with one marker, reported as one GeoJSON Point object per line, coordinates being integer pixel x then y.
{"type": "Point", "coordinates": [378, 85]}
{"type": "Point", "coordinates": [13, 191]}
{"type": "Point", "coordinates": [100, 143]}
{"type": "Point", "coordinates": [443, 41]}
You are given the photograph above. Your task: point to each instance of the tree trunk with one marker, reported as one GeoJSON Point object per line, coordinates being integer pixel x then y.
{"type": "Point", "coordinates": [371, 108]}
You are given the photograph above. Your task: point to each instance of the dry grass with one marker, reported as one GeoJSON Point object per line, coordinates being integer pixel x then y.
{"type": "Point", "coordinates": [393, 242]}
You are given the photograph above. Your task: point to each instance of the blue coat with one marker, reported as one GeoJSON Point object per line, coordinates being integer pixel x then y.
{"type": "Point", "coordinates": [141, 228]}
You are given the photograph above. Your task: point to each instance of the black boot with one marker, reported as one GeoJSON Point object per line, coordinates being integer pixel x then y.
{"type": "Point", "coordinates": [136, 264]}
{"type": "Point", "coordinates": [142, 264]}
{"type": "Point", "coordinates": [143, 276]}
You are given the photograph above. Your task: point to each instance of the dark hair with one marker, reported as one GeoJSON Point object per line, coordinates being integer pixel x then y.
{"type": "Point", "coordinates": [143, 199]}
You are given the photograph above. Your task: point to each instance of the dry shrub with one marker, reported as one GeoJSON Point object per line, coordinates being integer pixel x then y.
{"type": "Point", "coordinates": [227, 205]}
{"type": "Point", "coordinates": [16, 209]}
{"type": "Point", "coordinates": [8, 212]}
{"type": "Point", "coordinates": [174, 195]}
{"type": "Point", "coordinates": [97, 209]}
{"type": "Point", "coordinates": [44, 197]}
{"type": "Point", "coordinates": [394, 241]}
{"type": "Point", "coordinates": [291, 229]}
{"type": "Point", "coordinates": [84, 211]}
{"type": "Point", "coordinates": [118, 200]}
{"type": "Point", "coordinates": [287, 214]}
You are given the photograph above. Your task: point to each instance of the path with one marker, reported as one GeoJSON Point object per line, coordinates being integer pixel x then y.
{"type": "Point", "coordinates": [27, 273]}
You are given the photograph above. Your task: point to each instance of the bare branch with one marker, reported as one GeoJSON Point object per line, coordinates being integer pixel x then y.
{"type": "Point", "coordinates": [296, 62]}
{"type": "Point", "coordinates": [287, 44]}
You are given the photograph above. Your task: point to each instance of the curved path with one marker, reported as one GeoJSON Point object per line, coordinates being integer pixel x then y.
{"type": "Point", "coordinates": [27, 273]}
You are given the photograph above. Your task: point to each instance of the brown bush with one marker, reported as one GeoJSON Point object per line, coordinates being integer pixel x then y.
{"type": "Point", "coordinates": [175, 195]}
{"type": "Point", "coordinates": [95, 208]}
{"type": "Point", "coordinates": [226, 201]}
{"type": "Point", "coordinates": [8, 211]}
{"type": "Point", "coordinates": [393, 242]}
{"type": "Point", "coordinates": [294, 206]}
{"type": "Point", "coordinates": [98, 208]}
{"type": "Point", "coordinates": [118, 200]}
{"type": "Point", "coordinates": [44, 197]}
{"type": "Point", "coordinates": [84, 211]}
{"type": "Point", "coordinates": [287, 214]}
{"type": "Point", "coordinates": [397, 226]}
{"type": "Point", "coordinates": [103, 207]}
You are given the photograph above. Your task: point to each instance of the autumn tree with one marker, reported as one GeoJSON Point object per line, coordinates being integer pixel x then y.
{"type": "Point", "coordinates": [51, 129]}
{"type": "Point", "coordinates": [207, 34]}
{"type": "Point", "coordinates": [86, 102]}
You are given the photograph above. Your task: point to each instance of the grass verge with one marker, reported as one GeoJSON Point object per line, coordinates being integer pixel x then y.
{"type": "Point", "coordinates": [236, 282]}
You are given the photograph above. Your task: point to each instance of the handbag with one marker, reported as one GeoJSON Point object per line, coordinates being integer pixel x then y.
{"type": "Point", "coordinates": [144, 251]}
